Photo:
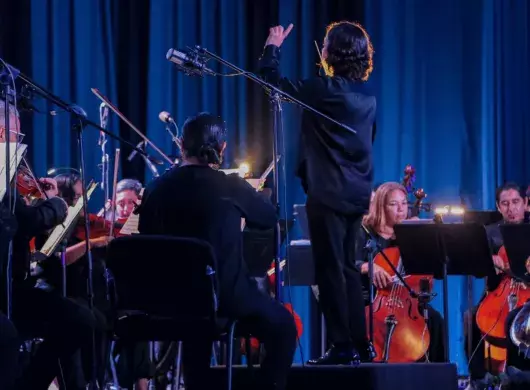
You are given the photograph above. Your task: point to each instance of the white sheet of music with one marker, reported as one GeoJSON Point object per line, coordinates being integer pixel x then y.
{"type": "Point", "coordinates": [59, 232]}
{"type": "Point", "coordinates": [16, 158]}
{"type": "Point", "coordinates": [131, 225]}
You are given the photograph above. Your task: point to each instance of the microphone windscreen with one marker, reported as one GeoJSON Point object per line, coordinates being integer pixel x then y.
{"type": "Point", "coordinates": [164, 116]}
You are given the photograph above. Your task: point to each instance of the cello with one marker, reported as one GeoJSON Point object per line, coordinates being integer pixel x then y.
{"type": "Point", "coordinates": [400, 331]}
{"type": "Point", "coordinates": [494, 308]}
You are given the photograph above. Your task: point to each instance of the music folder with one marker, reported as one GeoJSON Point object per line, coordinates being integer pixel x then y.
{"type": "Point", "coordinates": [516, 239]}
{"type": "Point", "coordinates": [60, 231]}
{"type": "Point", "coordinates": [17, 152]}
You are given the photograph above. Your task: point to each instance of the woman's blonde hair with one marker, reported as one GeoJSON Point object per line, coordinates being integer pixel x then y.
{"type": "Point", "coordinates": [376, 217]}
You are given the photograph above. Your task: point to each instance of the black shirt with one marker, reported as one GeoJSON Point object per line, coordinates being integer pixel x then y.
{"type": "Point", "coordinates": [184, 201]}
{"type": "Point", "coordinates": [51, 276]}
{"type": "Point", "coordinates": [334, 164]}
{"type": "Point", "coordinates": [33, 221]}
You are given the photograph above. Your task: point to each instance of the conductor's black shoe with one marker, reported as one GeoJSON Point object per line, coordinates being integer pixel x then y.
{"type": "Point", "coordinates": [337, 356]}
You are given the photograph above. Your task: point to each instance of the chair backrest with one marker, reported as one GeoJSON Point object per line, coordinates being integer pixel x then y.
{"type": "Point", "coordinates": [164, 276]}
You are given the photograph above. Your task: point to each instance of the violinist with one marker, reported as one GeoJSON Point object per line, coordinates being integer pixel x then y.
{"type": "Point", "coordinates": [388, 208]}
{"type": "Point", "coordinates": [175, 203]}
{"type": "Point", "coordinates": [127, 199]}
{"type": "Point", "coordinates": [64, 325]}
{"type": "Point", "coordinates": [511, 202]}
{"type": "Point", "coordinates": [77, 370]}
{"type": "Point", "coordinates": [134, 365]}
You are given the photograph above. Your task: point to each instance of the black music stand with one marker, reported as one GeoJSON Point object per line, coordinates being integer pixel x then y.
{"type": "Point", "coordinates": [516, 239]}
{"type": "Point", "coordinates": [441, 250]}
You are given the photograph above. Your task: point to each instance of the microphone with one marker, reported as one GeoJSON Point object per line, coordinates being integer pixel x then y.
{"type": "Point", "coordinates": [166, 117]}
{"type": "Point", "coordinates": [190, 63]}
{"type": "Point", "coordinates": [103, 115]}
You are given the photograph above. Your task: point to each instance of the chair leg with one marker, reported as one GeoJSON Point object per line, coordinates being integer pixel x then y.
{"type": "Point", "coordinates": [178, 367]}
{"type": "Point", "coordinates": [113, 365]}
{"type": "Point", "coordinates": [229, 363]}
{"type": "Point", "coordinates": [248, 350]}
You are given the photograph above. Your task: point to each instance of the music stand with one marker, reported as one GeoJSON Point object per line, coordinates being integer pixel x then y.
{"type": "Point", "coordinates": [441, 250]}
{"type": "Point", "coordinates": [516, 239]}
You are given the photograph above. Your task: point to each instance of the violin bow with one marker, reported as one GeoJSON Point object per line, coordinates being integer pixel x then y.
{"type": "Point", "coordinates": [114, 185]}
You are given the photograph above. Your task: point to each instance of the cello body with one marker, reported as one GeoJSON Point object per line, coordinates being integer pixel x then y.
{"type": "Point", "coordinates": [494, 308]}
{"type": "Point", "coordinates": [400, 331]}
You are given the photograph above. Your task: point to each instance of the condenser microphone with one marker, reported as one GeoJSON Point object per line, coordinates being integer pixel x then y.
{"type": "Point", "coordinates": [190, 63]}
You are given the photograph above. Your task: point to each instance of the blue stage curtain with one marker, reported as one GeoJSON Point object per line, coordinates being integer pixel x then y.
{"type": "Point", "coordinates": [450, 77]}
{"type": "Point", "coordinates": [452, 84]}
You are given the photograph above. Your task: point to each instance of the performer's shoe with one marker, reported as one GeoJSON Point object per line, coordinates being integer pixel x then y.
{"type": "Point", "coordinates": [337, 356]}
{"type": "Point", "coordinates": [368, 354]}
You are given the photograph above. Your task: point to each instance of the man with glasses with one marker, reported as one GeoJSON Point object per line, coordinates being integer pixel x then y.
{"type": "Point", "coordinates": [64, 325]}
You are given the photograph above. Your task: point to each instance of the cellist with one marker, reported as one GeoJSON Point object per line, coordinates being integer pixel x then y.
{"type": "Point", "coordinates": [389, 206]}
{"type": "Point", "coordinates": [511, 202]}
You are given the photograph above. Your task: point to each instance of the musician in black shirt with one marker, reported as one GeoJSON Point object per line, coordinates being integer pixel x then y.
{"type": "Point", "coordinates": [184, 203]}
{"type": "Point", "coordinates": [511, 203]}
{"type": "Point", "coordinates": [64, 325]}
{"type": "Point", "coordinates": [335, 166]}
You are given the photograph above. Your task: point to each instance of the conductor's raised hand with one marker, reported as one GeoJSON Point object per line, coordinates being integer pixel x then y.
{"type": "Point", "coordinates": [277, 35]}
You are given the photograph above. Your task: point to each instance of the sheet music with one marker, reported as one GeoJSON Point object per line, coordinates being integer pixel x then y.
{"type": "Point", "coordinates": [59, 232]}
{"type": "Point", "coordinates": [16, 159]}
{"type": "Point", "coordinates": [131, 225]}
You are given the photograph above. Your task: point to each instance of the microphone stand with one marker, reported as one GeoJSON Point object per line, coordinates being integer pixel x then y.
{"type": "Point", "coordinates": [276, 97]}
{"type": "Point", "coordinates": [79, 122]}
{"type": "Point", "coordinates": [103, 119]}
{"type": "Point", "coordinates": [8, 75]}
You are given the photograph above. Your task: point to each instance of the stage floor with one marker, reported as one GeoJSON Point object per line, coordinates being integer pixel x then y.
{"type": "Point", "coordinates": [374, 376]}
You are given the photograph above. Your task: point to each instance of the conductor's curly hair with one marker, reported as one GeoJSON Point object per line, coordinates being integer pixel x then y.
{"type": "Point", "coordinates": [349, 51]}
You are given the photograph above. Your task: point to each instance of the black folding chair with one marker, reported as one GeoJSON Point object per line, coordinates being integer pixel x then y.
{"type": "Point", "coordinates": [165, 290]}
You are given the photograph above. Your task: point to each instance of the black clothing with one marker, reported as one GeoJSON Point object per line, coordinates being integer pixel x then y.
{"type": "Point", "coordinates": [64, 325]}
{"type": "Point", "coordinates": [9, 347]}
{"type": "Point", "coordinates": [199, 202]}
{"type": "Point", "coordinates": [51, 276]}
{"type": "Point", "coordinates": [333, 240]}
{"type": "Point", "coordinates": [33, 221]}
{"type": "Point", "coordinates": [335, 164]}
{"type": "Point", "coordinates": [435, 322]}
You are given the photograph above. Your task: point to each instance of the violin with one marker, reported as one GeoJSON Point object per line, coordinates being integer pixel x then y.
{"type": "Point", "coordinates": [27, 184]}
{"type": "Point", "coordinates": [494, 308]}
{"type": "Point", "coordinates": [98, 227]}
{"type": "Point", "coordinates": [400, 331]}
{"type": "Point", "coordinates": [254, 343]}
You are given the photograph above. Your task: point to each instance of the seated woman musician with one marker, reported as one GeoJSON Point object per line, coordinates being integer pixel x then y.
{"type": "Point", "coordinates": [389, 207]}
{"type": "Point", "coordinates": [77, 371]}
{"type": "Point", "coordinates": [127, 199]}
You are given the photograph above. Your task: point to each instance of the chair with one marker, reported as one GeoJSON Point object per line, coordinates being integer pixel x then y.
{"type": "Point", "coordinates": [165, 289]}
